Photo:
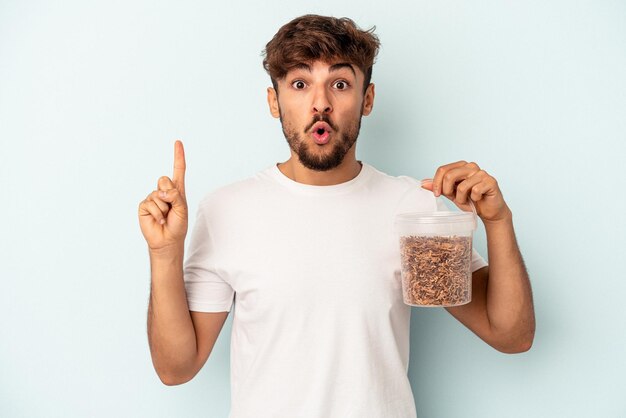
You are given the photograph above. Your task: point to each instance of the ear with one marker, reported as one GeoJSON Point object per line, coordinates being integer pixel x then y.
{"type": "Point", "coordinates": [368, 100]}
{"type": "Point", "coordinates": [272, 101]}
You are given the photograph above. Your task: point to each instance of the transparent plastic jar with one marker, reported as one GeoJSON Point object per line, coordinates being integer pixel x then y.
{"type": "Point", "coordinates": [436, 256]}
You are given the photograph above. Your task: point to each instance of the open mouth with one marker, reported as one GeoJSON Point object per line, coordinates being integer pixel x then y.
{"type": "Point", "coordinates": [321, 133]}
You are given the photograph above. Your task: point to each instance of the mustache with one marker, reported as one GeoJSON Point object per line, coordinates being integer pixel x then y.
{"type": "Point", "coordinates": [320, 118]}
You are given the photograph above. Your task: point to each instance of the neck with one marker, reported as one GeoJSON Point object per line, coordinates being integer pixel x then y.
{"type": "Point", "coordinates": [346, 171]}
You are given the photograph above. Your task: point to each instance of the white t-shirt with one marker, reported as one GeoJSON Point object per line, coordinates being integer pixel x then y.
{"type": "Point", "coordinates": [319, 328]}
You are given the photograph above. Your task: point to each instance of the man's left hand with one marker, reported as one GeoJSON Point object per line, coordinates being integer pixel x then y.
{"type": "Point", "coordinates": [461, 181]}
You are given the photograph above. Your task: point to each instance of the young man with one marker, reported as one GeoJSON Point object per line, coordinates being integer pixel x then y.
{"type": "Point", "coordinates": [306, 252]}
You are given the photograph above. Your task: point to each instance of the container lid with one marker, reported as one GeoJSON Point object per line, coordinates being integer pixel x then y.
{"type": "Point", "coordinates": [436, 217]}
{"type": "Point", "coordinates": [458, 219]}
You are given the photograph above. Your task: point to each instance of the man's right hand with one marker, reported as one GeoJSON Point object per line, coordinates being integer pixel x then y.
{"type": "Point", "coordinates": [163, 214]}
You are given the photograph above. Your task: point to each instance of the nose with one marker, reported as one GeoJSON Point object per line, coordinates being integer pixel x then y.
{"type": "Point", "coordinates": [321, 101]}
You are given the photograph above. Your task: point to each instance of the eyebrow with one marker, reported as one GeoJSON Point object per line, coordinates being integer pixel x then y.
{"type": "Point", "coordinates": [337, 67]}
{"type": "Point", "coordinates": [332, 68]}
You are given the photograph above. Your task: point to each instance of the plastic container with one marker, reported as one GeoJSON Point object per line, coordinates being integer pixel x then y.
{"type": "Point", "coordinates": [436, 256]}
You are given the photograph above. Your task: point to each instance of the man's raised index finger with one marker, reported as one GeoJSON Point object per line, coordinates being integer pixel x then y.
{"type": "Point", "coordinates": [179, 164]}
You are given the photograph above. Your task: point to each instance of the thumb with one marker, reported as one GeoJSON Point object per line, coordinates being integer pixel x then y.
{"type": "Point", "coordinates": [174, 197]}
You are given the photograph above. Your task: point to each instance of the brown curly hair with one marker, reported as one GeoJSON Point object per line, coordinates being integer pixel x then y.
{"type": "Point", "coordinates": [312, 37]}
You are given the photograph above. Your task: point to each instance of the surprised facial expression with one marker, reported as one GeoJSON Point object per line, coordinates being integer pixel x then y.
{"type": "Point", "coordinates": [320, 106]}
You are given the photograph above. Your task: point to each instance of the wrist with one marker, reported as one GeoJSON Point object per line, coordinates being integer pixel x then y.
{"type": "Point", "coordinates": [166, 265]}
{"type": "Point", "coordinates": [503, 221]}
{"type": "Point", "coordinates": [168, 253]}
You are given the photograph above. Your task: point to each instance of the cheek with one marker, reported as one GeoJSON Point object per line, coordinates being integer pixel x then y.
{"type": "Point", "coordinates": [354, 108]}
{"type": "Point", "coordinates": [350, 117]}
{"type": "Point", "coordinates": [289, 124]}
{"type": "Point", "coordinates": [286, 119]}
{"type": "Point", "coordinates": [292, 118]}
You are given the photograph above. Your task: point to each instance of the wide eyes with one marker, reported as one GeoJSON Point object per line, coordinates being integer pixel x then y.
{"type": "Point", "coordinates": [341, 85]}
{"type": "Point", "coordinates": [338, 85]}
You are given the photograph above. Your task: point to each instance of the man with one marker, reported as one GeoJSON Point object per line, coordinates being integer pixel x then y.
{"type": "Point", "coordinates": [306, 252]}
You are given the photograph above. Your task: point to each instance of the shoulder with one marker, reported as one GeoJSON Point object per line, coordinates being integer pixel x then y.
{"type": "Point", "coordinates": [236, 194]}
{"type": "Point", "coordinates": [404, 190]}
{"type": "Point", "coordinates": [399, 182]}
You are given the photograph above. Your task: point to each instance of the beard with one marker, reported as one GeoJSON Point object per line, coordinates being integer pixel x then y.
{"type": "Point", "coordinates": [328, 160]}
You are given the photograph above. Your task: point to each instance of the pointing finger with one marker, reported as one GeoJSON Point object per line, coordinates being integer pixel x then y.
{"type": "Point", "coordinates": [179, 166]}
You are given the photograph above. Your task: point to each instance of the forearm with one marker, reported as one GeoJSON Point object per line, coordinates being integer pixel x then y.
{"type": "Point", "coordinates": [509, 297]}
{"type": "Point", "coordinates": [171, 332]}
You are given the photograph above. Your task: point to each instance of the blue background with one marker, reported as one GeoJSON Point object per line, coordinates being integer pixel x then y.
{"type": "Point", "coordinates": [93, 95]}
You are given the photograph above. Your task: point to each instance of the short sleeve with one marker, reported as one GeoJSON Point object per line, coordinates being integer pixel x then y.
{"type": "Point", "coordinates": [478, 261]}
{"type": "Point", "coordinates": [206, 290]}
